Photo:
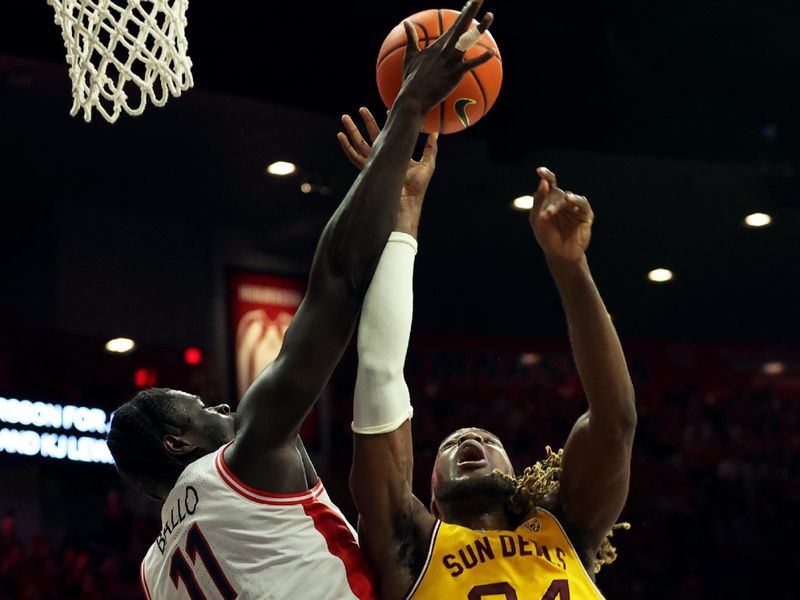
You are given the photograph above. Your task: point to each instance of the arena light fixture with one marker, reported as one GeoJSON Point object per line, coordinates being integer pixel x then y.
{"type": "Point", "coordinates": [306, 187]}
{"type": "Point", "coordinates": [120, 345]}
{"type": "Point", "coordinates": [281, 168]}
{"type": "Point", "coordinates": [523, 203]}
{"type": "Point", "coordinates": [757, 220]}
{"type": "Point", "coordinates": [529, 359]}
{"type": "Point", "coordinates": [660, 275]}
{"type": "Point", "coordinates": [773, 368]}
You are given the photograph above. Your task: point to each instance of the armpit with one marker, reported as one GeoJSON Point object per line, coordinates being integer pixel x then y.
{"type": "Point", "coordinates": [410, 545]}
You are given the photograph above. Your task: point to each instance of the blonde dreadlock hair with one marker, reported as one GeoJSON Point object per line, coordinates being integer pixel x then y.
{"type": "Point", "coordinates": [541, 479]}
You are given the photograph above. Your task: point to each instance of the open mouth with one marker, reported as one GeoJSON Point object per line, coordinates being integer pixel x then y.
{"type": "Point", "coordinates": [471, 454]}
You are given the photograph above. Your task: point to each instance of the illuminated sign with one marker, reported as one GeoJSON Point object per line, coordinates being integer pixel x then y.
{"type": "Point", "coordinates": [68, 442]}
{"type": "Point", "coordinates": [262, 306]}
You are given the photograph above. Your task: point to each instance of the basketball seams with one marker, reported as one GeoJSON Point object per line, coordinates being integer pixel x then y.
{"type": "Point", "coordinates": [483, 91]}
{"type": "Point", "coordinates": [388, 54]}
{"type": "Point", "coordinates": [496, 51]}
{"type": "Point", "coordinates": [425, 31]}
{"type": "Point", "coordinates": [486, 80]}
{"type": "Point", "coordinates": [426, 38]}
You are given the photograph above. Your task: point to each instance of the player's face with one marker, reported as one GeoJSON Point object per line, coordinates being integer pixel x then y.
{"type": "Point", "coordinates": [468, 454]}
{"type": "Point", "coordinates": [209, 426]}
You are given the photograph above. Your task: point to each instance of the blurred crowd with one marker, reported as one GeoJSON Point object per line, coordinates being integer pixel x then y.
{"type": "Point", "coordinates": [714, 491]}
{"type": "Point", "coordinates": [101, 565]}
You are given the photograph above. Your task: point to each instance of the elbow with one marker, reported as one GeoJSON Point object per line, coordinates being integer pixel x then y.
{"type": "Point", "coordinates": [627, 419]}
{"type": "Point", "coordinates": [620, 422]}
{"type": "Point", "coordinates": [354, 270]}
{"type": "Point", "coordinates": [631, 416]}
{"type": "Point", "coordinates": [626, 415]}
{"type": "Point", "coordinates": [350, 253]}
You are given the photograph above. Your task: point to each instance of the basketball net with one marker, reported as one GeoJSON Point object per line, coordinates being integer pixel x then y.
{"type": "Point", "coordinates": [122, 53]}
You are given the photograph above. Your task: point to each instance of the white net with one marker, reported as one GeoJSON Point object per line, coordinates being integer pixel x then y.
{"type": "Point", "coordinates": [120, 54]}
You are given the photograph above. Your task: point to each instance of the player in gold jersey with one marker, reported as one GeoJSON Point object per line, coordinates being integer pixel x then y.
{"type": "Point", "coordinates": [489, 535]}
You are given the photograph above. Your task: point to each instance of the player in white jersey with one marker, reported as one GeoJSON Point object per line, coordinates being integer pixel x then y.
{"type": "Point", "coordinates": [245, 515]}
{"type": "Point", "coordinates": [222, 538]}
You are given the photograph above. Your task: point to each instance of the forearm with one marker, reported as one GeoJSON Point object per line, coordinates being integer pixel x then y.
{"type": "Point", "coordinates": [381, 400]}
{"type": "Point", "coordinates": [353, 240]}
{"type": "Point", "coordinates": [596, 348]}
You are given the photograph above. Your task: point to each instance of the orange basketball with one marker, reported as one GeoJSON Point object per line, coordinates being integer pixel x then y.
{"type": "Point", "coordinates": [473, 97]}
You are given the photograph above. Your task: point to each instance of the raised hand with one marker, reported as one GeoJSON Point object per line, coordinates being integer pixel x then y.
{"type": "Point", "coordinates": [430, 75]}
{"type": "Point", "coordinates": [418, 175]}
{"type": "Point", "coordinates": [561, 221]}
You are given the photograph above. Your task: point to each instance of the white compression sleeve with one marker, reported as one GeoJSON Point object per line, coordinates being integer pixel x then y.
{"type": "Point", "coordinates": [382, 402]}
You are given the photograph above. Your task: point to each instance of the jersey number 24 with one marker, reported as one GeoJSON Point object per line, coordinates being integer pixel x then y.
{"type": "Point", "coordinates": [559, 588]}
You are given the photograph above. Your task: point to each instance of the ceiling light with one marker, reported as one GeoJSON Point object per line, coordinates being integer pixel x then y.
{"type": "Point", "coordinates": [757, 220]}
{"type": "Point", "coordinates": [529, 359]}
{"type": "Point", "coordinates": [523, 203]}
{"type": "Point", "coordinates": [120, 345]}
{"type": "Point", "coordinates": [281, 168]}
{"type": "Point", "coordinates": [773, 368]}
{"type": "Point", "coordinates": [306, 188]}
{"type": "Point", "coordinates": [660, 275]}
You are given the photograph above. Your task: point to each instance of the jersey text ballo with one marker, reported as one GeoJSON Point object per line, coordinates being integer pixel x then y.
{"type": "Point", "coordinates": [223, 539]}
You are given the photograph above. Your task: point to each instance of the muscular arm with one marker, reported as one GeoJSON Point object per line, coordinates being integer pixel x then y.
{"type": "Point", "coordinates": [272, 409]}
{"type": "Point", "coordinates": [597, 455]}
{"type": "Point", "coordinates": [265, 452]}
{"type": "Point", "coordinates": [394, 525]}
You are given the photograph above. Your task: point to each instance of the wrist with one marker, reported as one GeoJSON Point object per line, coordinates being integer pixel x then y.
{"type": "Point", "coordinates": [566, 267]}
{"type": "Point", "coordinates": [406, 103]}
{"type": "Point", "coordinates": [409, 227]}
{"type": "Point", "coordinates": [407, 221]}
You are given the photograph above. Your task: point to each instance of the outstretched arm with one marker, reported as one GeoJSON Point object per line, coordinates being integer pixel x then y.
{"type": "Point", "coordinates": [597, 455]}
{"type": "Point", "coordinates": [265, 453]}
{"type": "Point", "coordinates": [393, 522]}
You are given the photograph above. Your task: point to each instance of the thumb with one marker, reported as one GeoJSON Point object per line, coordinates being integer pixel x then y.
{"type": "Point", "coordinates": [431, 149]}
{"type": "Point", "coordinates": [539, 197]}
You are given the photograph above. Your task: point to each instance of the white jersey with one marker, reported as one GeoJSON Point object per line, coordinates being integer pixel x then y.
{"type": "Point", "coordinates": [223, 539]}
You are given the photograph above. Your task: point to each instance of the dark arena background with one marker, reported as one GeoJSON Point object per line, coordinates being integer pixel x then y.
{"type": "Point", "coordinates": [677, 120]}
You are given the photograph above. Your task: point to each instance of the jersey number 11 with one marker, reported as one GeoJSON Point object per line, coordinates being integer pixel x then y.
{"type": "Point", "coordinates": [179, 568]}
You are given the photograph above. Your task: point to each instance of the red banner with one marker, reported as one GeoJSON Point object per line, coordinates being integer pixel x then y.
{"type": "Point", "coordinates": [262, 306]}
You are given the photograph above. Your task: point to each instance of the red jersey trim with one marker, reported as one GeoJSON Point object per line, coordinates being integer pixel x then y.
{"type": "Point", "coordinates": [250, 493]}
{"type": "Point", "coordinates": [143, 581]}
{"type": "Point", "coordinates": [343, 546]}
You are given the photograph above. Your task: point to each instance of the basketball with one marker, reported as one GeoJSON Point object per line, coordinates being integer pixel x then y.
{"type": "Point", "coordinates": [473, 97]}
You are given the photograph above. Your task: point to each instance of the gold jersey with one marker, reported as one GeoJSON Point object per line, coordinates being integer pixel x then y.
{"type": "Point", "coordinates": [536, 561]}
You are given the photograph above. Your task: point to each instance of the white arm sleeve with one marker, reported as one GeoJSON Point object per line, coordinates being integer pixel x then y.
{"type": "Point", "coordinates": [382, 402]}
